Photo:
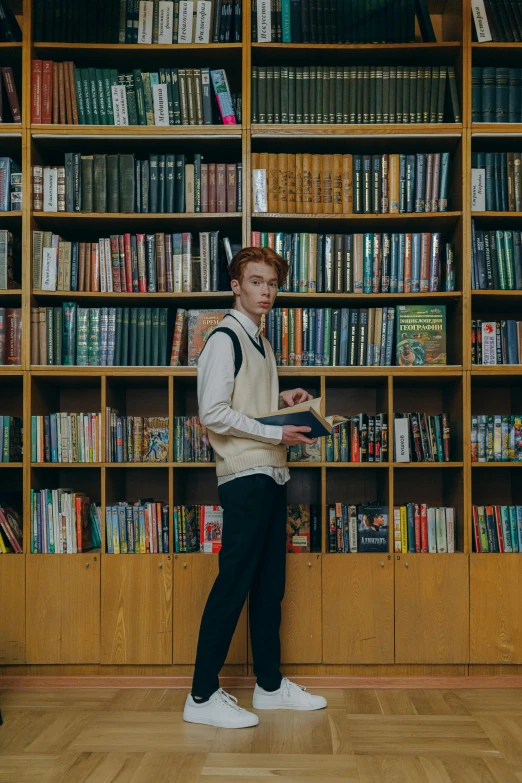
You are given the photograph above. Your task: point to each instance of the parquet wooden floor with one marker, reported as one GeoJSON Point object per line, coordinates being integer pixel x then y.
{"type": "Point", "coordinates": [365, 736]}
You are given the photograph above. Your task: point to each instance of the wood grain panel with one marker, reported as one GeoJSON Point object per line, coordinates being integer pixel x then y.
{"type": "Point", "coordinates": [301, 620]}
{"type": "Point", "coordinates": [357, 609]}
{"type": "Point", "coordinates": [12, 609]}
{"type": "Point", "coordinates": [43, 608]}
{"type": "Point", "coordinates": [80, 636]}
{"type": "Point", "coordinates": [495, 585]}
{"type": "Point", "coordinates": [193, 579]}
{"type": "Point", "coordinates": [431, 608]}
{"type": "Point", "coordinates": [136, 609]}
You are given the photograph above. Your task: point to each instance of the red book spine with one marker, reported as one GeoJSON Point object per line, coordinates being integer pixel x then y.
{"type": "Point", "coordinates": [417, 527]}
{"type": "Point", "coordinates": [36, 93]}
{"type": "Point", "coordinates": [123, 275]}
{"type": "Point", "coordinates": [95, 267]}
{"type": "Point", "coordinates": [355, 441]}
{"type": "Point", "coordinates": [47, 92]}
{"type": "Point", "coordinates": [476, 531]}
{"type": "Point", "coordinates": [115, 260]}
{"type": "Point", "coordinates": [10, 88]}
{"type": "Point", "coordinates": [128, 262]}
{"type": "Point", "coordinates": [424, 527]}
{"type": "Point", "coordinates": [256, 239]}
{"type": "Point", "coordinates": [500, 534]}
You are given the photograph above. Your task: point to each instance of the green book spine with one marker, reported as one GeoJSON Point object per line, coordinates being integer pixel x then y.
{"type": "Point", "coordinates": [140, 97]}
{"type": "Point", "coordinates": [197, 182]}
{"type": "Point", "coordinates": [57, 334]}
{"type": "Point", "coordinates": [93, 346]}
{"type": "Point", "coordinates": [163, 324]}
{"type": "Point", "coordinates": [155, 337]}
{"type": "Point", "coordinates": [454, 94]}
{"type": "Point", "coordinates": [69, 334]}
{"type": "Point", "coordinates": [87, 96]}
{"type": "Point", "coordinates": [118, 336]}
{"type": "Point", "coordinates": [133, 336]}
{"type": "Point", "coordinates": [176, 105]}
{"type": "Point", "coordinates": [147, 93]}
{"type": "Point", "coordinates": [93, 91]}
{"type": "Point", "coordinates": [169, 184]}
{"type": "Point", "coordinates": [109, 111]}
{"type": "Point", "coordinates": [327, 360]}
{"type": "Point", "coordinates": [101, 96]}
{"type": "Point", "coordinates": [140, 347]}
{"type": "Point", "coordinates": [80, 101]}
{"type": "Point", "coordinates": [434, 99]}
{"type": "Point", "coordinates": [125, 336]}
{"type": "Point", "coordinates": [284, 96]}
{"type": "Point", "coordinates": [82, 337]}
{"type": "Point", "coordinates": [148, 336]}
{"type": "Point", "coordinates": [303, 263]}
{"type": "Point", "coordinates": [510, 261]}
{"type": "Point", "coordinates": [501, 261]}
{"type": "Point", "coordinates": [427, 94]}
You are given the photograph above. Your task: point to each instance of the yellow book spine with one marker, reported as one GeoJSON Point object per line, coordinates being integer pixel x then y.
{"type": "Point", "coordinates": [404, 529]}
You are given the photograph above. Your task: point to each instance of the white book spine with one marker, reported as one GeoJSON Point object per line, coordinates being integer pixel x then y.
{"type": "Point", "coordinates": [478, 190]}
{"type": "Point", "coordinates": [165, 26]}
{"type": "Point", "coordinates": [259, 190]}
{"type": "Point", "coordinates": [103, 275]}
{"type": "Point", "coordinates": [50, 189]}
{"type": "Point", "coordinates": [481, 21]}
{"type": "Point", "coordinates": [489, 342]}
{"type": "Point", "coordinates": [161, 106]}
{"type": "Point", "coordinates": [203, 18]}
{"type": "Point", "coordinates": [432, 531]}
{"type": "Point", "coordinates": [352, 528]}
{"type": "Point", "coordinates": [402, 440]}
{"type": "Point", "coordinates": [108, 262]}
{"type": "Point", "coordinates": [450, 529]}
{"type": "Point", "coordinates": [186, 13]}
{"type": "Point", "coordinates": [119, 104]}
{"type": "Point", "coordinates": [187, 271]}
{"type": "Point", "coordinates": [178, 280]}
{"type": "Point", "coordinates": [264, 22]}
{"type": "Point", "coordinates": [397, 538]}
{"type": "Point", "coordinates": [145, 22]}
{"type": "Point", "coordinates": [204, 253]}
{"type": "Point", "coordinates": [440, 522]}
{"type": "Point", "coordinates": [49, 260]}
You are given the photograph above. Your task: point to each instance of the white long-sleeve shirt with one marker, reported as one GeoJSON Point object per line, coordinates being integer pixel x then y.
{"type": "Point", "coordinates": [215, 387]}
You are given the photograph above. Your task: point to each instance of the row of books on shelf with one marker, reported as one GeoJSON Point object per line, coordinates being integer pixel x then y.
{"type": "Point", "coordinates": [119, 183]}
{"type": "Point", "coordinates": [11, 531]}
{"type": "Point", "coordinates": [419, 437]}
{"type": "Point", "coordinates": [346, 184]}
{"type": "Point", "coordinates": [419, 527]}
{"type": "Point", "coordinates": [496, 259]}
{"type": "Point", "coordinates": [137, 528]}
{"type": "Point", "coordinates": [363, 438]}
{"type": "Point", "coordinates": [497, 529]}
{"type": "Point", "coordinates": [497, 20]}
{"type": "Point", "coordinates": [66, 437]}
{"type": "Point", "coordinates": [11, 445]}
{"type": "Point", "coordinates": [137, 263]}
{"type": "Point", "coordinates": [363, 263]}
{"type": "Point", "coordinates": [97, 337]}
{"type": "Point", "coordinates": [10, 335]}
{"type": "Point", "coordinates": [10, 260]}
{"type": "Point", "coordinates": [496, 438]}
{"type": "Point", "coordinates": [496, 94]}
{"type": "Point", "coordinates": [363, 94]}
{"type": "Point", "coordinates": [191, 442]}
{"type": "Point", "coordinates": [137, 21]}
{"type": "Point", "coordinates": [136, 438]}
{"type": "Point", "coordinates": [63, 522]}
{"type": "Point", "coordinates": [496, 342]}
{"type": "Point", "coordinates": [498, 175]}
{"type": "Point", "coordinates": [10, 110]}
{"type": "Point", "coordinates": [341, 22]}
{"type": "Point", "coordinates": [66, 95]}
{"type": "Point", "coordinates": [10, 185]}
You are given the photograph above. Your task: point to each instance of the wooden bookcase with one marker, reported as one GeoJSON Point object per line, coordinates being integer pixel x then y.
{"type": "Point", "coordinates": [343, 614]}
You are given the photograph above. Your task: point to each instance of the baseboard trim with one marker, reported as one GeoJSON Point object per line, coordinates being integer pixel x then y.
{"type": "Point", "coordinates": [451, 683]}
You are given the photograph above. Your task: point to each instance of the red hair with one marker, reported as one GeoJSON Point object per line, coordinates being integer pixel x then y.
{"type": "Point", "coordinates": [264, 255]}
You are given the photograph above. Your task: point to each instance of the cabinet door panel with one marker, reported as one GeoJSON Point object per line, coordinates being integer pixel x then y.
{"type": "Point", "coordinates": [432, 608]}
{"type": "Point", "coordinates": [12, 609]}
{"type": "Point", "coordinates": [358, 608]}
{"type": "Point", "coordinates": [301, 621]}
{"type": "Point", "coordinates": [495, 608]}
{"type": "Point", "coordinates": [136, 609]}
{"type": "Point", "coordinates": [80, 581]}
{"type": "Point", "coordinates": [43, 608]}
{"type": "Point", "coordinates": [194, 576]}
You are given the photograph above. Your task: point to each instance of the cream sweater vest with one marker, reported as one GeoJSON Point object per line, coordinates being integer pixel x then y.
{"type": "Point", "coordinates": [256, 392]}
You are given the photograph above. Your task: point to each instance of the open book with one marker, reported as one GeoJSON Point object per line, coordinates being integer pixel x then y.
{"type": "Point", "coordinates": [305, 414]}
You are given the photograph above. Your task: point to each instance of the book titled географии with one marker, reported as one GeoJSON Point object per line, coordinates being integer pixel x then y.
{"type": "Point", "coordinates": [305, 414]}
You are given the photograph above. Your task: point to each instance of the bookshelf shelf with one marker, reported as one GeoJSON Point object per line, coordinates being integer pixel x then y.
{"type": "Point", "coordinates": [6, 45]}
{"type": "Point", "coordinates": [438, 46]}
{"type": "Point", "coordinates": [416, 465]}
{"type": "Point", "coordinates": [137, 131]}
{"type": "Point", "coordinates": [496, 465]}
{"type": "Point", "coordinates": [51, 46]}
{"type": "Point", "coordinates": [416, 216]}
{"type": "Point", "coordinates": [399, 130]}
{"type": "Point", "coordinates": [495, 129]}
{"type": "Point", "coordinates": [225, 295]}
{"type": "Point", "coordinates": [11, 464]}
{"type": "Point", "coordinates": [92, 218]}
{"type": "Point", "coordinates": [497, 369]}
{"type": "Point", "coordinates": [11, 130]}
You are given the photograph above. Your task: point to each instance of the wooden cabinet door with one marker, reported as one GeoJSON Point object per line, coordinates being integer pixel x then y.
{"type": "Point", "coordinates": [432, 608]}
{"type": "Point", "coordinates": [358, 608]}
{"type": "Point", "coordinates": [495, 608]}
{"type": "Point", "coordinates": [80, 603]}
{"type": "Point", "coordinates": [194, 576]}
{"type": "Point", "coordinates": [43, 609]}
{"type": "Point", "coordinates": [12, 609]}
{"type": "Point", "coordinates": [136, 609]}
{"type": "Point", "coordinates": [301, 620]}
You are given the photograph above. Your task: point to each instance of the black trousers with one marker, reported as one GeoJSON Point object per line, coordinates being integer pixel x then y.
{"type": "Point", "coordinates": [252, 560]}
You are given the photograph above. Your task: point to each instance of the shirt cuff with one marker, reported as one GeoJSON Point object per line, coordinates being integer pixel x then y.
{"type": "Point", "coordinates": [274, 433]}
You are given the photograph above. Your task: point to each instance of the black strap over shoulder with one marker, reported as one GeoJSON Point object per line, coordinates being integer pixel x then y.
{"type": "Point", "coordinates": [238, 353]}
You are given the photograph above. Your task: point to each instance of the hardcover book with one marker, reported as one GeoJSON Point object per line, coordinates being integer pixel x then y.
{"type": "Point", "coordinates": [298, 528]}
{"type": "Point", "coordinates": [421, 335]}
{"type": "Point", "coordinates": [372, 528]}
{"type": "Point", "coordinates": [305, 414]}
{"type": "Point", "coordinates": [200, 325]}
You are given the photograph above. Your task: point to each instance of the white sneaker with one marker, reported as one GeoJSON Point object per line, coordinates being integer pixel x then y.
{"type": "Point", "coordinates": [290, 696]}
{"type": "Point", "coordinates": [220, 710]}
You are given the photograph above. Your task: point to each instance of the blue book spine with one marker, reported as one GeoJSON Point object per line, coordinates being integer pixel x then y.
{"type": "Point", "coordinates": [319, 336]}
{"type": "Point", "coordinates": [119, 439]}
{"type": "Point", "coordinates": [394, 263]}
{"type": "Point", "coordinates": [389, 336]}
{"type": "Point", "coordinates": [519, 525]}
{"type": "Point", "coordinates": [278, 346]}
{"type": "Point", "coordinates": [287, 27]}
{"type": "Point", "coordinates": [129, 528]}
{"type": "Point", "coordinates": [74, 265]}
{"type": "Point", "coordinates": [327, 337]}
{"type": "Point", "coordinates": [415, 263]}
{"type": "Point", "coordinates": [311, 336]}
{"type": "Point", "coordinates": [410, 516]}
{"type": "Point", "coordinates": [513, 526]}
{"type": "Point", "coordinates": [488, 94]}
{"type": "Point", "coordinates": [434, 262]}
{"type": "Point", "coordinates": [37, 524]}
{"type": "Point", "coordinates": [400, 273]}
{"type": "Point", "coordinates": [108, 525]}
{"type": "Point", "coordinates": [502, 94]}
{"type": "Point", "coordinates": [402, 183]}
{"type": "Point", "coordinates": [296, 254]}
{"type": "Point", "coordinates": [367, 263]}
{"type": "Point", "coordinates": [54, 438]}
{"type": "Point", "coordinates": [306, 335]}
{"type": "Point", "coordinates": [512, 342]}
{"type": "Point", "coordinates": [343, 344]}
{"type": "Point", "coordinates": [116, 530]}
{"type": "Point", "coordinates": [506, 528]}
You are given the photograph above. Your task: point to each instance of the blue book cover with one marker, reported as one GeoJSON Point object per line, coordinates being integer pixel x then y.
{"type": "Point", "coordinates": [343, 338]}
{"type": "Point", "coordinates": [394, 263]}
{"type": "Point", "coordinates": [305, 414]}
{"type": "Point", "coordinates": [415, 263]}
{"type": "Point", "coordinates": [319, 336]}
{"type": "Point", "coordinates": [512, 342]}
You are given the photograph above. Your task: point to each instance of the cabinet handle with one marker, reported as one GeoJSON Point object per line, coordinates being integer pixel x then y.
{"type": "Point", "coordinates": [87, 565]}
{"type": "Point", "coordinates": [161, 565]}
{"type": "Point", "coordinates": [382, 564]}
{"type": "Point", "coordinates": [309, 565]}
{"type": "Point", "coordinates": [184, 565]}
{"type": "Point", "coordinates": [406, 564]}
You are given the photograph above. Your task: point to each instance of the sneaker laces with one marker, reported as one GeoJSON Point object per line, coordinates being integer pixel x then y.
{"type": "Point", "coordinates": [288, 685]}
{"type": "Point", "coordinates": [228, 700]}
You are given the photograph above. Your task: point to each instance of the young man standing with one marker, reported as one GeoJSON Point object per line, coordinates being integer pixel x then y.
{"type": "Point", "coordinates": [237, 382]}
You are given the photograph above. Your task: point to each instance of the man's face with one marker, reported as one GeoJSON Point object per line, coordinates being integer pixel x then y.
{"type": "Point", "coordinates": [258, 288]}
